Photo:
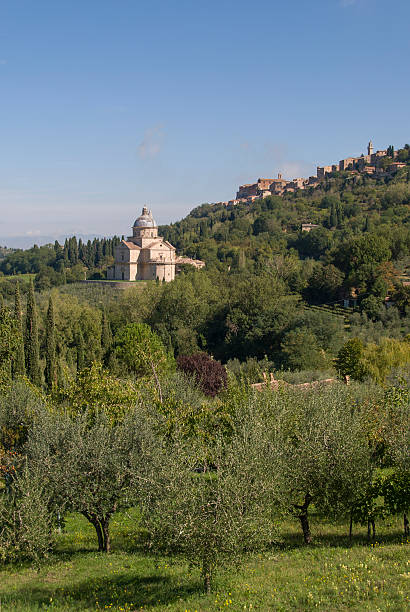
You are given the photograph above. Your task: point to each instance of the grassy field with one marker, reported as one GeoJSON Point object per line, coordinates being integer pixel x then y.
{"type": "Point", "coordinates": [23, 279]}
{"type": "Point", "coordinates": [99, 292]}
{"type": "Point", "coordinates": [330, 575]}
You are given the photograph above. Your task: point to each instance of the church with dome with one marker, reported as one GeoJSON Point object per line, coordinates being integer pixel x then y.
{"type": "Point", "coordinates": [144, 255]}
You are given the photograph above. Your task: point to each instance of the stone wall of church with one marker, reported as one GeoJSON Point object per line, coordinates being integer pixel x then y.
{"type": "Point", "coordinates": [164, 272]}
{"type": "Point", "coordinates": [126, 271]}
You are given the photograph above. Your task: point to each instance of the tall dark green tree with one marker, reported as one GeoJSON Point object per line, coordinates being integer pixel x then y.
{"type": "Point", "coordinates": [8, 342]}
{"type": "Point", "coordinates": [339, 214]}
{"type": "Point", "coordinates": [82, 252]}
{"type": "Point", "coordinates": [32, 349]}
{"type": "Point", "coordinates": [73, 250]}
{"type": "Point", "coordinates": [51, 356]}
{"type": "Point", "coordinates": [241, 260]}
{"type": "Point", "coordinates": [98, 253]}
{"type": "Point", "coordinates": [89, 254]}
{"type": "Point", "coordinates": [349, 360]}
{"type": "Point", "coordinates": [106, 336]}
{"type": "Point", "coordinates": [80, 346]}
{"type": "Point", "coordinates": [65, 253]}
{"type": "Point", "coordinates": [19, 367]}
{"type": "Point", "coordinates": [333, 216]}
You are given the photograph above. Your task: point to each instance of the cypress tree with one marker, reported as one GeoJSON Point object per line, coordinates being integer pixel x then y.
{"type": "Point", "coordinates": [7, 343]}
{"type": "Point", "coordinates": [65, 253]}
{"type": "Point", "coordinates": [333, 216]}
{"type": "Point", "coordinates": [19, 367]}
{"type": "Point", "coordinates": [51, 358]}
{"type": "Point", "coordinates": [98, 253]}
{"type": "Point", "coordinates": [106, 335]}
{"type": "Point", "coordinates": [73, 251]}
{"type": "Point", "coordinates": [82, 256]}
{"type": "Point", "coordinates": [31, 340]}
{"type": "Point", "coordinates": [80, 350]}
{"type": "Point", "coordinates": [89, 251]}
{"type": "Point", "coordinates": [339, 214]}
{"type": "Point", "coordinates": [242, 260]}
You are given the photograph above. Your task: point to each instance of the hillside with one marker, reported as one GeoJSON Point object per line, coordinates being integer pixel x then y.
{"type": "Point", "coordinates": [361, 220]}
{"type": "Point", "coordinates": [269, 290]}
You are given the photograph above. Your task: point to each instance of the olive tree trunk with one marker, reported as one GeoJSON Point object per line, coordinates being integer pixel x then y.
{"type": "Point", "coordinates": [304, 518]}
{"type": "Point", "coordinates": [371, 530]}
{"type": "Point", "coordinates": [406, 525]}
{"type": "Point", "coordinates": [207, 575]}
{"type": "Point", "coordinates": [101, 526]}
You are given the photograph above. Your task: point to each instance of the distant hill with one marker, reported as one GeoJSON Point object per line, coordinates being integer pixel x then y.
{"type": "Point", "coordinates": [26, 242]}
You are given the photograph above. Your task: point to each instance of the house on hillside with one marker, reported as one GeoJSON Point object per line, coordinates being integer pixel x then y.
{"type": "Point", "coordinates": [307, 227]}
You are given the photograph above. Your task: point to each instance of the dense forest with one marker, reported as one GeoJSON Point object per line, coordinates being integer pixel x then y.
{"type": "Point", "coordinates": [56, 264]}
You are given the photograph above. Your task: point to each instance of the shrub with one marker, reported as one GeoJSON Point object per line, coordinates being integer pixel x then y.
{"type": "Point", "coordinates": [349, 360]}
{"type": "Point", "coordinates": [209, 374]}
{"type": "Point", "coordinates": [141, 350]}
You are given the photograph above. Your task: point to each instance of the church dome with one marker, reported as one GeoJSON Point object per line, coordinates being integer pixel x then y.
{"type": "Point", "coordinates": [145, 219]}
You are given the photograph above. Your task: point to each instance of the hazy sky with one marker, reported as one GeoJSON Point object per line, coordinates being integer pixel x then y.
{"type": "Point", "coordinates": [107, 105]}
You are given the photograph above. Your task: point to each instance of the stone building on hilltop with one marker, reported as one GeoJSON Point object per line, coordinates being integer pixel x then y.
{"type": "Point", "coordinates": [144, 255]}
{"type": "Point", "coordinates": [372, 163]}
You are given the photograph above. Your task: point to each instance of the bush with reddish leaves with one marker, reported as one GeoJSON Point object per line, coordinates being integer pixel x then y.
{"type": "Point", "coordinates": [210, 375]}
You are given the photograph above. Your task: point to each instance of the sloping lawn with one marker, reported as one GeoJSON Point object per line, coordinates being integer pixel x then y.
{"type": "Point", "coordinates": [329, 575]}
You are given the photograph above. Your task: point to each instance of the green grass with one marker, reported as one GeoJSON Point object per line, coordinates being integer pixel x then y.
{"type": "Point", "coordinates": [23, 278]}
{"type": "Point", "coordinates": [329, 575]}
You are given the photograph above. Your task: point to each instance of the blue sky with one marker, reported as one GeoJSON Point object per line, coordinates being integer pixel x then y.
{"type": "Point", "coordinates": [106, 106]}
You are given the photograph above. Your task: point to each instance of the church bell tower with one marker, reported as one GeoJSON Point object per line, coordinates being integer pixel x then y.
{"type": "Point", "coordinates": [370, 148]}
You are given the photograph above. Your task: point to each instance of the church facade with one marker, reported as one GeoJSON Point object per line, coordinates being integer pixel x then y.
{"type": "Point", "coordinates": [144, 255]}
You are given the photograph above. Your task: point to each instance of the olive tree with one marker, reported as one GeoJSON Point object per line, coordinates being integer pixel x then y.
{"type": "Point", "coordinates": [86, 463]}
{"type": "Point", "coordinates": [26, 523]}
{"type": "Point", "coordinates": [397, 440]}
{"type": "Point", "coordinates": [397, 426]}
{"type": "Point", "coordinates": [212, 513]}
{"type": "Point", "coordinates": [319, 441]}
{"type": "Point", "coordinates": [20, 405]}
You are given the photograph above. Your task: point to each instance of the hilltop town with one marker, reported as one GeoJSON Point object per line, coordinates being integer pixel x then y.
{"type": "Point", "coordinates": [380, 163]}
